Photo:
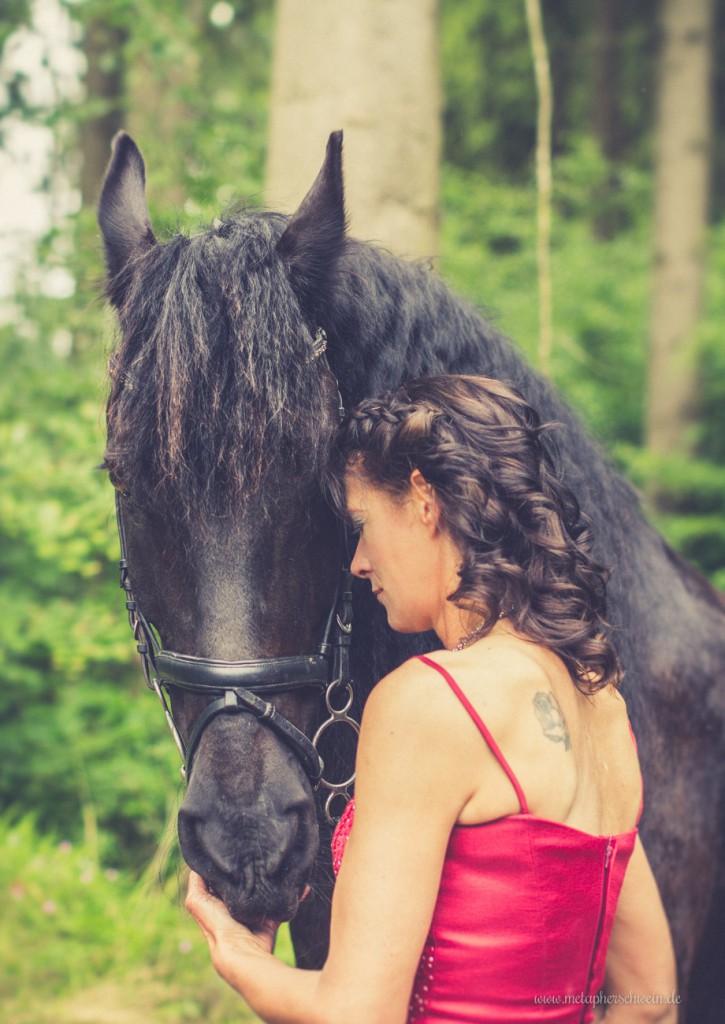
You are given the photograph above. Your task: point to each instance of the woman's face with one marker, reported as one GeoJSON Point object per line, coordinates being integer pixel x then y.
{"type": "Point", "coordinates": [398, 551]}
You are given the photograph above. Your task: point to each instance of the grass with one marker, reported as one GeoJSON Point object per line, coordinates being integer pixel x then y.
{"type": "Point", "coordinates": [85, 943]}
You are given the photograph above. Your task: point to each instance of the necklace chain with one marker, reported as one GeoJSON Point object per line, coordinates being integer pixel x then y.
{"type": "Point", "coordinates": [474, 634]}
{"type": "Point", "coordinates": [469, 637]}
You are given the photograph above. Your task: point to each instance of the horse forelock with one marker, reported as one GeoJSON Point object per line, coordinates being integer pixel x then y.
{"type": "Point", "coordinates": [213, 384]}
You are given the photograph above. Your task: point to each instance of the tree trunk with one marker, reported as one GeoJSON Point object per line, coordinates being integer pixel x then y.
{"type": "Point", "coordinates": [606, 58]}
{"type": "Point", "coordinates": [680, 221]}
{"type": "Point", "coordinates": [371, 68]}
{"type": "Point", "coordinates": [103, 48]}
{"type": "Point", "coordinates": [544, 176]}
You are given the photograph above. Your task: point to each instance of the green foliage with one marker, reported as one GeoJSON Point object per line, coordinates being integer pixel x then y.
{"type": "Point", "coordinates": [601, 307]}
{"type": "Point", "coordinates": [609, 198]}
{"type": "Point", "coordinates": [107, 938]}
{"type": "Point", "coordinates": [71, 717]}
{"type": "Point", "coordinates": [489, 118]}
{"type": "Point", "coordinates": [490, 110]}
{"type": "Point", "coordinates": [184, 71]}
{"type": "Point", "coordinates": [691, 491]}
{"type": "Point", "coordinates": [12, 14]}
{"type": "Point", "coordinates": [690, 504]}
{"type": "Point", "coordinates": [600, 287]}
{"type": "Point", "coordinates": [488, 234]}
{"type": "Point", "coordinates": [712, 348]}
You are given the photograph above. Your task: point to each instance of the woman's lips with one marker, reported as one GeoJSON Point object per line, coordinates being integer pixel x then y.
{"type": "Point", "coordinates": [377, 592]}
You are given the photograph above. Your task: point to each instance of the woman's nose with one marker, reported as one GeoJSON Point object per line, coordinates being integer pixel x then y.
{"type": "Point", "coordinates": [360, 566]}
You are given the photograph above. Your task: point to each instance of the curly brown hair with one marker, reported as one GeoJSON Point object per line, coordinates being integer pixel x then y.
{"type": "Point", "coordinates": [525, 545]}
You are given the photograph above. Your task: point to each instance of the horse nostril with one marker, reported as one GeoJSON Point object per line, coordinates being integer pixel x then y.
{"type": "Point", "coordinates": [276, 860]}
{"type": "Point", "coordinates": [205, 848]}
{"type": "Point", "coordinates": [189, 827]}
{"type": "Point", "coordinates": [290, 852]}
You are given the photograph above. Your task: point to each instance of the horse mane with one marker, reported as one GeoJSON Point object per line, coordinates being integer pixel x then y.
{"type": "Point", "coordinates": [212, 383]}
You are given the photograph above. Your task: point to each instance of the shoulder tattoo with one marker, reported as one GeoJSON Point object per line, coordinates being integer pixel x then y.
{"type": "Point", "coordinates": [551, 718]}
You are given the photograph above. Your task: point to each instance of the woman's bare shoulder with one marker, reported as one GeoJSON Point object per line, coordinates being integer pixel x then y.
{"type": "Point", "coordinates": [419, 694]}
{"type": "Point", "coordinates": [408, 686]}
{"type": "Point", "coordinates": [410, 710]}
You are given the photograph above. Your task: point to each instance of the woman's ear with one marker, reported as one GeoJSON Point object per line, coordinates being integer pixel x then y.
{"type": "Point", "coordinates": [425, 499]}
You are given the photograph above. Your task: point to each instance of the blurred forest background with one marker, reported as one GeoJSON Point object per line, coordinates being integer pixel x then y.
{"type": "Point", "coordinates": [88, 871]}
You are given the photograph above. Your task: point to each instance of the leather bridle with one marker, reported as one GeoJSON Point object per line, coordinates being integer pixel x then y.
{"type": "Point", "coordinates": [240, 686]}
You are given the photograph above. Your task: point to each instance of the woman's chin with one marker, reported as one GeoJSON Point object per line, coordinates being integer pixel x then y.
{"type": "Point", "coordinates": [400, 626]}
{"type": "Point", "coordinates": [403, 623]}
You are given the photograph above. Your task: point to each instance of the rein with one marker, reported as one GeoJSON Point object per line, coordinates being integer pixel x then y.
{"type": "Point", "coordinates": [240, 686]}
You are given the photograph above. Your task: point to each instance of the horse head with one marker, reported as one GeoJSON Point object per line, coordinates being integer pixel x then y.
{"type": "Point", "coordinates": [219, 416]}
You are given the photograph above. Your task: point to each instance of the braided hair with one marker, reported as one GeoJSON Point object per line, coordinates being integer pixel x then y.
{"type": "Point", "coordinates": [525, 545]}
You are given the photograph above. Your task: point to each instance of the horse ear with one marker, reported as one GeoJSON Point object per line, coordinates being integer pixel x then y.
{"type": "Point", "coordinates": [122, 211]}
{"type": "Point", "coordinates": [315, 236]}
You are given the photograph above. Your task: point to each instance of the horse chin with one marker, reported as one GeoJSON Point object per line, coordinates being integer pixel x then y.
{"type": "Point", "coordinates": [252, 910]}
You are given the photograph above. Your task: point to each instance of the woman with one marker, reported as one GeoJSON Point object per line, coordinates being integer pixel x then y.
{"type": "Point", "coordinates": [493, 871]}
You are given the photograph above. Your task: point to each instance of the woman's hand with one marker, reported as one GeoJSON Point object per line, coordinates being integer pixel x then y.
{"type": "Point", "coordinates": [230, 943]}
{"type": "Point", "coordinates": [243, 958]}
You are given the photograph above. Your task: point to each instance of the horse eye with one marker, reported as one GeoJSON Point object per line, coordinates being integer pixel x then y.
{"type": "Point", "coordinates": [114, 479]}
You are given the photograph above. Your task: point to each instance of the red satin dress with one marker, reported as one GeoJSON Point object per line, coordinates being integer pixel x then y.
{"type": "Point", "coordinates": [523, 916]}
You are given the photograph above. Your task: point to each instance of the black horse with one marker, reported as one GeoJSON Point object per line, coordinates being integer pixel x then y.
{"type": "Point", "coordinates": [219, 416]}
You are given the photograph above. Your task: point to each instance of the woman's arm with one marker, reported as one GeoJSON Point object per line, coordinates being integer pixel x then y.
{"type": "Point", "coordinates": [411, 785]}
{"type": "Point", "coordinates": [641, 978]}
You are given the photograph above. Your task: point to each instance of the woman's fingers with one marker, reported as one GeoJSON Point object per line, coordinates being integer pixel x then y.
{"type": "Point", "coordinates": [196, 894]}
{"type": "Point", "coordinates": [215, 921]}
{"type": "Point", "coordinates": [266, 933]}
{"type": "Point", "coordinates": [207, 910]}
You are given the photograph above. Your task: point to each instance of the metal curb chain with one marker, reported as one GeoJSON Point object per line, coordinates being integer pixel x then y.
{"type": "Point", "coordinates": [341, 684]}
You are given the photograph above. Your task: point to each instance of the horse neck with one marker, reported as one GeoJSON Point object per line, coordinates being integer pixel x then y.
{"type": "Point", "coordinates": [395, 320]}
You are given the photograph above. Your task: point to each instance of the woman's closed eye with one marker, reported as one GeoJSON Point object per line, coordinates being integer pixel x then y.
{"type": "Point", "coordinates": [356, 525]}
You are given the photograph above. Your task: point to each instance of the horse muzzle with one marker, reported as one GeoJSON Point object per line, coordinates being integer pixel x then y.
{"type": "Point", "coordinates": [256, 853]}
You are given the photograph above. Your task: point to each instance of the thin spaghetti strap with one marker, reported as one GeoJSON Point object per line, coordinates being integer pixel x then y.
{"type": "Point", "coordinates": [482, 728]}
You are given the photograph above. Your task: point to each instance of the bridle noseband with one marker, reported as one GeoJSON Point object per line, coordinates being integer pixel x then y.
{"type": "Point", "coordinates": [239, 686]}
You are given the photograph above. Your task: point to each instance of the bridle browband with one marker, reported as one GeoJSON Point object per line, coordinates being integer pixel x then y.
{"type": "Point", "coordinates": [239, 686]}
